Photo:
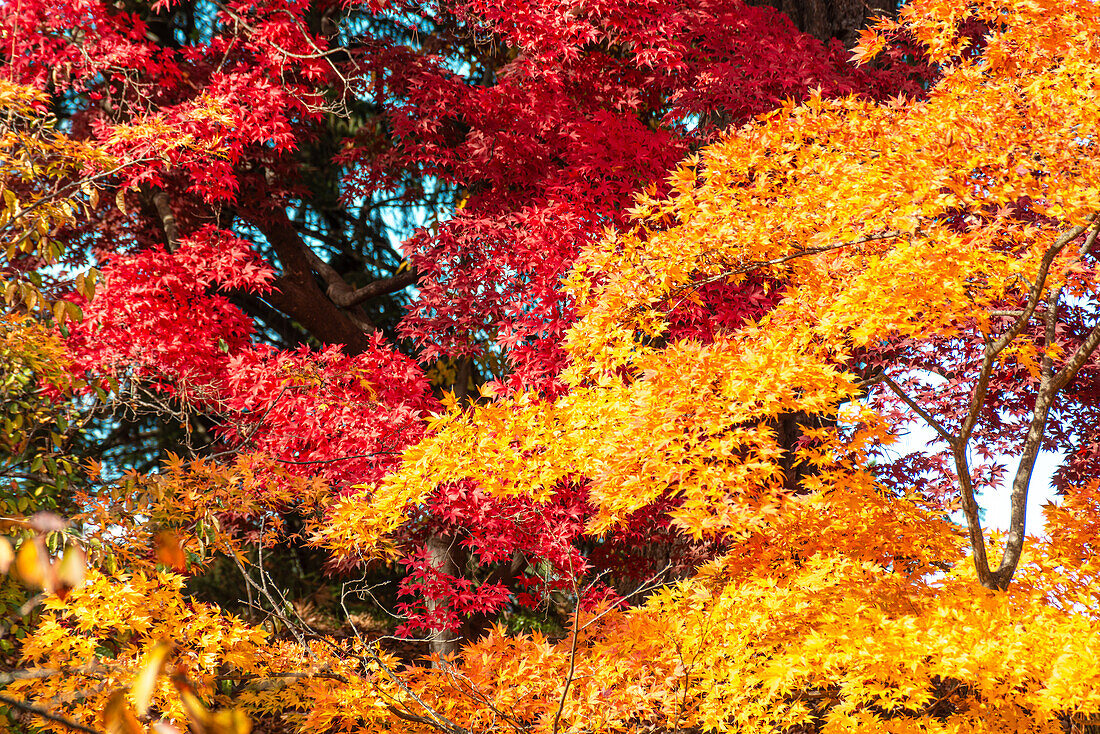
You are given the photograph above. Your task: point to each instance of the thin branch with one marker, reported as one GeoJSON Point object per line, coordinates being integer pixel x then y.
{"type": "Point", "coordinates": [66, 190]}
{"type": "Point", "coordinates": [932, 422]}
{"type": "Point", "coordinates": [1086, 246]}
{"type": "Point", "coordinates": [465, 686]}
{"type": "Point", "coordinates": [338, 458]}
{"type": "Point", "coordinates": [647, 585]}
{"type": "Point", "coordinates": [1080, 356]}
{"type": "Point", "coordinates": [753, 266]}
{"type": "Point", "coordinates": [303, 630]}
{"type": "Point", "coordinates": [44, 714]}
{"type": "Point", "coordinates": [572, 659]}
{"type": "Point", "coordinates": [11, 676]}
{"type": "Point", "coordinates": [262, 588]}
{"type": "Point", "coordinates": [993, 348]}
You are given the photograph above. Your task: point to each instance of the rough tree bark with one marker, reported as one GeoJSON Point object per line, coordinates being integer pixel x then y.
{"type": "Point", "coordinates": [828, 19]}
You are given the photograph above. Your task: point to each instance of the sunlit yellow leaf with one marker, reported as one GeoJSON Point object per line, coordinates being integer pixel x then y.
{"type": "Point", "coordinates": [118, 718]}
{"type": "Point", "coordinates": [7, 555]}
{"type": "Point", "coordinates": [150, 669]}
{"type": "Point", "coordinates": [71, 570]}
{"type": "Point", "coordinates": [32, 565]}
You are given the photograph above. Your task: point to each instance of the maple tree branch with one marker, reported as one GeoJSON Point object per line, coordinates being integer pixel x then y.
{"type": "Point", "coordinates": [1044, 400]}
{"type": "Point", "coordinates": [779, 261]}
{"type": "Point", "coordinates": [465, 686]}
{"type": "Point", "coordinates": [406, 716]}
{"type": "Point", "coordinates": [932, 422]}
{"type": "Point", "coordinates": [1049, 387]}
{"type": "Point", "coordinates": [995, 347]}
{"type": "Point", "coordinates": [1090, 239]}
{"type": "Point", "coordinates": [971, 511]}
{"type": "Point", "coordinates": [572, 659]}
{"type": "Point", "coordinates": [66, 190]}
{"type": "Point", "coordinates": [168, 220]}
{"type": "Point", "coordinates": [344, 295]}
{"type": "Point", "coordinates": [649, 584]}
{"type": "Point", "coordinates": [962, 469]}
{"type": "Point", "coordinates": [297, 293]}
{"type": "Point", "coordinates": [437, 720]}
{"type": "Point", "coordinates": [1080, 356]}
{"type": "Point", "coordinates": [247, 440]}
{"type": "Point", "coordinates": [339, 108]}
{"type": "Point", "coordinates": [379, 288]}
{"type": "Point", "coordinates": [262, 588]}
{"type": "Point", "coordinates": [47, 715]}
{"type": "Point", "coordinates": [11, 676]}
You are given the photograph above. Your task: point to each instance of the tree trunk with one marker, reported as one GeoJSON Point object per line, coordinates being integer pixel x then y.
{"type": "Point", "coordinates": [441, 557]}
{"type": "Point", "coordinates": [828, 19]}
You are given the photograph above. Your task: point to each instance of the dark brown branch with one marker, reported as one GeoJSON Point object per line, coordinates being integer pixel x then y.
{"type": "Point", "coordinates": [406, 716]}
{"type": "Point", "coordinates": [44, 714]}
{"type": "Point", "coordinates": [797, 254]}
{"type": "Point", "coordinates": [377, 288]}
{"type": "Point", "coordinates": [297, 293]}
{"type": "Point", "coordinates": [932, 422]}
{"type": "Point", "coordinates": [344, 296]}
{"type": "Point", "coordinates": [993, 348]}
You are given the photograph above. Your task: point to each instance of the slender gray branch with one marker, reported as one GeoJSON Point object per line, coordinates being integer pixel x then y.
{"type": "Point", "coordinates": [932, 422]}
{"type": "Point", "coordinates": [1044, 400]}
{"type": "Point", "coordinates": [572, 660]}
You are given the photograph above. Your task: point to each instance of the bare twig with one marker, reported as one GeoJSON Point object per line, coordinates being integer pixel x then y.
{"type": "Point", "coordinates": [302, 631]}
{"type": "Point", "coordinates": [11, 676]}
